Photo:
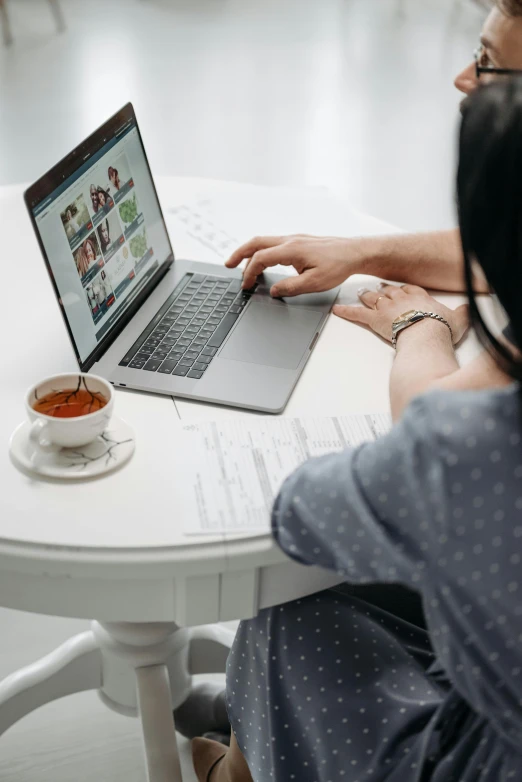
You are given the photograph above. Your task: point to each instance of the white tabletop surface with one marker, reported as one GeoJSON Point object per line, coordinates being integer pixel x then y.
{"type": "Point", "coordinates": [131, 519]}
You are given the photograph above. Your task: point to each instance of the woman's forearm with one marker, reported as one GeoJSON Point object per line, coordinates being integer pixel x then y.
{"type": "Point", "coordinates": [425, 356]}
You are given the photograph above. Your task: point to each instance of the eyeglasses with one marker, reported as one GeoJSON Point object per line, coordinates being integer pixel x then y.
{"type": "Point", "coordinates": [482, 65]}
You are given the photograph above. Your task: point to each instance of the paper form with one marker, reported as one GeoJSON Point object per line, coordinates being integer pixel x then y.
{"type": "Point", "coordinates": [233, 470]}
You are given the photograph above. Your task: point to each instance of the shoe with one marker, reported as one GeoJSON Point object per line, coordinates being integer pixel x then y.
{"type": "Point", "coordinates": [204, 710]}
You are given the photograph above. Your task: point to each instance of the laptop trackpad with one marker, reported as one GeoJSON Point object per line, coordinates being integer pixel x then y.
{"type": "Point", "coordinates": [274, 336]}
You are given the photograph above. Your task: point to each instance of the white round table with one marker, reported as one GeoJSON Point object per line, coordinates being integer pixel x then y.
{"type": "Point", "coordinates": [114, 550]}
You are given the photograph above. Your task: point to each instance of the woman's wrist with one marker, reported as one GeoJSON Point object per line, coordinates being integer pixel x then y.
{"type": "Point", "coordinates": [428, 332]}
{"type": "Point", "coordinates": [425, 355]}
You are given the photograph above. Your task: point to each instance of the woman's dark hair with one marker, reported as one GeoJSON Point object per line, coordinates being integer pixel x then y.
{"type": "Point", "coordinates": [511, 7]}
{"type": "Point", "coordinates": [489, 192]}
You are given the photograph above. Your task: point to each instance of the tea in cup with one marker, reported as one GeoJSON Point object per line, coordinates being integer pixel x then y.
{"type": "Point", "coordinates": [69, 411]}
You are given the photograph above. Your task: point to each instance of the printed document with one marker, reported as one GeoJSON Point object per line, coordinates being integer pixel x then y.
{"type": "Point", "coordinates": [232, 470]}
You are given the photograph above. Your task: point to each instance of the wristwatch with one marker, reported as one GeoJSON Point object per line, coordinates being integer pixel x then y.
{"type": "Point", "coordinates": [411, 317]}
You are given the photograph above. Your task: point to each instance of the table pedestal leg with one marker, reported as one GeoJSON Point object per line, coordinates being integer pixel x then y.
{"type": "Point", "coordinates": [75, 666]}
{"type": "Point", "coordinates": [138, 669]}
{"type": "Point", "coordinates": [158, 653]}
{"type": "Point", "coordinates": [159, 734]}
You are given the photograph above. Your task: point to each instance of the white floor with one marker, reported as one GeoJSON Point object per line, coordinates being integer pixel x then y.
{"type": "Point", "coordinates": [356, 95]}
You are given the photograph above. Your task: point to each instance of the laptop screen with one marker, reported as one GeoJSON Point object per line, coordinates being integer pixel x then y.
{"type": "Point", "coordinates": [101, 229]}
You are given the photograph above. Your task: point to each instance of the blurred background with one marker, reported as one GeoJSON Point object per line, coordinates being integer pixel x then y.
{"type": "Point", "coordinates": [354, 95]}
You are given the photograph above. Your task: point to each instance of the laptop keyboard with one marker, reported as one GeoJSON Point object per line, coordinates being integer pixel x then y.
{"type": "Point", "coordinates": [185, 335]}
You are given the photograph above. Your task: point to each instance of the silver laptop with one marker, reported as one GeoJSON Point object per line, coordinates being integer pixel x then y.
{"type": "Point", "coordinates": [144, 320]}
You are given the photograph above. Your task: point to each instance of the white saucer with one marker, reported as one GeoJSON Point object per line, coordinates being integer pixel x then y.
{"type": "Point", "coordinates": [109, 451]}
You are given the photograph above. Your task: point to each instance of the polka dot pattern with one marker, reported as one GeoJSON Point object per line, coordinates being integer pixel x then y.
{"type": "Point", "coordinates": [333, 688]}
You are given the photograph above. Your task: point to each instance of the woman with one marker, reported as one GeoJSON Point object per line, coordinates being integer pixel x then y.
{"type": "Point", "coordinates": [333, 688]}
{"type": "Point", "coordinates": [86, 256]}
{"type": "Point", "coordinates": [114, 177]}
{"type": "Point", "coordinates": [91, 250]}
{"type": "Point", "coordinates": [82, 264]}
{"type": "Point", "coordinates": [105, 202]}
{"type": "Point", "coordinates": [104, 235]}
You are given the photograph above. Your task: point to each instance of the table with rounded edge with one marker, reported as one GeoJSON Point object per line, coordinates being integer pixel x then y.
{"type": "Point", "coordinates": [114, 550]}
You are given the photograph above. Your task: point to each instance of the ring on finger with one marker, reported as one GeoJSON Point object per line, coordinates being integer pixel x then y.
{"type": "Point", "coordinates": [377, 300]}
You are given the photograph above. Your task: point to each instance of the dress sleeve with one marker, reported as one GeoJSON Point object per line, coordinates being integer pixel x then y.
{"type": "Point", "coordinates": [369, 514]}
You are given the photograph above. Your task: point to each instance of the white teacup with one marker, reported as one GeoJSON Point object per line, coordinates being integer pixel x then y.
{"type": "Point", "coordinates": [51, 433]}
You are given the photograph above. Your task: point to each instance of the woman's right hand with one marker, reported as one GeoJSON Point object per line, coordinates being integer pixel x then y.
{"type": "Point", "coordinates": [322, 263]}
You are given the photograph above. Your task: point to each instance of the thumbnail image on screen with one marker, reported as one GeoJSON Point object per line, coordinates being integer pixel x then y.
{"type": "Point", "coordinates": [121, 270]}
{"type": "Point", "coordinates": [138, 246]}
{"type": "Point", "coordinates": [100, 296]}
{"type": "Point", "coordinates": [110, 235]}
{"type": "Point", "coordinates": [101, 201]}
{"type": "Point", "coordinates": [88, 259]}
{"type": "Point", "coordinates": [130, 214]}
{"type": "Point", "coordinates": [75, 219]}
{"type": "Point", "coordinates": [129, 210]}
{"type": "Point", "coordinates": [119, 174]}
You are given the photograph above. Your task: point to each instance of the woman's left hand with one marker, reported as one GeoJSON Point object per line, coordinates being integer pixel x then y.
{"type": "Point", "coordinates": [383, 306]}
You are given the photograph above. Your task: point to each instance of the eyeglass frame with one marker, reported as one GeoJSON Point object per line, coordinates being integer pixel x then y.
{"type": "Point", "coordinates": [481, 69]}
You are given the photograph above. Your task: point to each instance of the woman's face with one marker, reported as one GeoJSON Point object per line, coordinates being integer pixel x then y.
{"type": "Point", "coordinates": [89, 252]}
{"type": "Point", "coordinates": [104, 234]}
{"type": "Point", "coordinates": [101, 198]}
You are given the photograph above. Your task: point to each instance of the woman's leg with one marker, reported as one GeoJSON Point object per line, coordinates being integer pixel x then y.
{"type": "Point", "coordinates": [328, 685]}
{"type": "Point", "coordinates": [205, 710]}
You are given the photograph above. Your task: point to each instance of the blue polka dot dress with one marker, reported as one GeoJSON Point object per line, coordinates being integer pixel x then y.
{"type": "Point", "coordinates": [333, 688]}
